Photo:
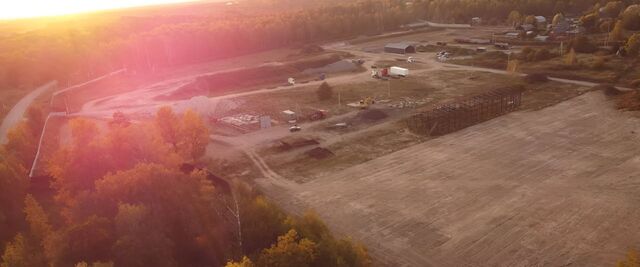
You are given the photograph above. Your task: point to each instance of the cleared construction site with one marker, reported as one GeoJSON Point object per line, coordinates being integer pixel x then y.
{"type": "Point", "coordinates": [441, 165]}
{"type": "Point", "coordinates": [554, 187]}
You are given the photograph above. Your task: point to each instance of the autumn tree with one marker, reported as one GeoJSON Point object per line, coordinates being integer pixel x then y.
{"type": "Point", "coordinates": [631, 18]}
{"type": "Point", "coordinates": [245, 262]}
{"type": "Point", "coordinates": [140, 241]}
{"type": "Point", "coordinates": [590, 21]}
{"type": "Point", "coordinates": [22, 140]}
{"type": "Point", "coordinates": [262, 222]}
{"type": "Point", "coordinates": [531, 19]}
{"type": "Point", "coordinates": [514, 18]}
{"type": "Point", "coordinates": [27, 249]}
{"type": "Point", "coordinates": [188, 135]}
{"type": "Point", "coordinates": [90, 239]}
{"type": "Point", "coordinates": [557, 19]}
{"type": "Point", "coordinates": [22, 253]}
{"type": "Point", "coordinates": [571, 58]}
{"type": "Point", "coordinates": [90, 156]}
{"type": "Point", "coordinates": [290, 250]}
{"type": "Point", "coordinates": [179, 209]}
{"type": "Point", "coordinates": [38, 220]}
{"type": "Point", "coordinates": [194, 134]}
{"type": "Point", "coordinates": [631, 260]}
{"type": "Point", "coordinates": [13, 187]}
{"type": "Point", "coordinates": [617, 34]}
{"type": "Point", "coordinates": [613, 8]}
{"type": "Point", "coordinates": [324, 92]}
{"type": "Point", "coordinates": [633, 45]}
{"type": "Point", "coordinates": [169, 126]}
{"type": "Point", "coordinates": [330, 251]}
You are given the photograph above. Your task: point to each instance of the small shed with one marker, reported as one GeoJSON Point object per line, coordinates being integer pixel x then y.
{"type": "Point", "coordinates": [399, 48]}
{"type": "Point", "coordinates": [290, 116]}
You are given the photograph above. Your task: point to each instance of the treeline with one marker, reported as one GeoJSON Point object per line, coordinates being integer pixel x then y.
{"type": "Point", "coordinates": [77, 50]}
{"type": "Point", "coordinates": [122, 196]}
{"type": "Point", "coordinates": [497, 11]}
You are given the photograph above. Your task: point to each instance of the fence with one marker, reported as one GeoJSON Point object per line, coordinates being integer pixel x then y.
{"type": "Point", "coordinates": [463, 113]}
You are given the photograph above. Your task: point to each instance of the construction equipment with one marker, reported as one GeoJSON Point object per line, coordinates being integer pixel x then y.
{"type": "Point", "coordinates": [398, 71]}
{"type": "Point", "coordinates": [379, 73]}
{"type": "Point", "coordinates": [295, 128]}
{"type": "Point", "coordinates": [366, 102]}
{"type": "Point", "coordinates": [317, 115]}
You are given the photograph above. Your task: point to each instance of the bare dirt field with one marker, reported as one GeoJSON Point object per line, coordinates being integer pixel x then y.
{"type": "Point", "coordinates": [552, 187]}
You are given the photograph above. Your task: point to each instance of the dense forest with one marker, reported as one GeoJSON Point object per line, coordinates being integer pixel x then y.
{"type": "Point", "coordinates": [123, 197]}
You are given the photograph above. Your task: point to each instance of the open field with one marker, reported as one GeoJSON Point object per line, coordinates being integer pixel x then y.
{"type": "Point", "coordinates": [552, 187]}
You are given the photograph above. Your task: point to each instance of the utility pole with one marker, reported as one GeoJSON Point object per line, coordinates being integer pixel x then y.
{"type": "Point", "coordinates": [606, 40]}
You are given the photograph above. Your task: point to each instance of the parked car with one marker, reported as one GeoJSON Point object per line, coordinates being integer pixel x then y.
{"type": "Point", "coordinates": [295, 128]}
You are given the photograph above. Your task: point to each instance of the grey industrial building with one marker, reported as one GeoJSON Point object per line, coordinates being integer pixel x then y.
{"type": "Point", "coordinates": [399, 48]}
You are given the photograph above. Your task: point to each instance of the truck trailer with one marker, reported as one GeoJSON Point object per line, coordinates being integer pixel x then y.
{"type": "Point", "coordinates": [398, 71]}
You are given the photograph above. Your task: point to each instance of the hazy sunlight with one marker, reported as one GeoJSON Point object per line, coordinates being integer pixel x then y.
{"type": "Point", "coordinates": [42, 8]}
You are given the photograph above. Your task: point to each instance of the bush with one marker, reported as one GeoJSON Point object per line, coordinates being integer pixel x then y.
{"type": "Point", "coordinates": [531, 55]}
{"type": "Point", "coordinates": [536, 78]}
{"type": "Point", "coordinates": [325, 92]}
{"type": "Point", "coordinates": [542, 54]}
{"type": "Point", "coordinates": [598, 63]}
{"type": "Point", "coordinates": [582, 44]}
{"type": "Point", "coordinates": [607, 89]}
{"type": "Point", "coordinates": [633, 45]}
{"type": "Point", "coordinates": [571, 58]}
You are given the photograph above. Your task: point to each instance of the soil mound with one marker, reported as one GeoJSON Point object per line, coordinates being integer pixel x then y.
{"type": "Point", "coordinates": [319, 153]}
{"type": "Point", "coordinates": [371, 115]}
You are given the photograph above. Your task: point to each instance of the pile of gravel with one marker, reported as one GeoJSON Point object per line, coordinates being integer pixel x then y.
{"type": "Point", "coordinates": [319, 153]}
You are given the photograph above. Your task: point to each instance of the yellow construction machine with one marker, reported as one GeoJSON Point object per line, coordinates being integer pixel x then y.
{"type": "Point", "coordinates": [365, 103]}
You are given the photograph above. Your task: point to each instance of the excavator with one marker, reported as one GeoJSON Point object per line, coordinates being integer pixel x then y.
{"type": "Point", "coordinates": [365, 103]}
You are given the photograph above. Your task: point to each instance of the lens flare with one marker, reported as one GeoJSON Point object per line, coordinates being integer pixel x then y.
{"type": "Point", "coordinates": [44, 8]}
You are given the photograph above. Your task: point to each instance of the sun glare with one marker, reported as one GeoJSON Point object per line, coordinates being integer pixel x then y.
{"type": "Point", "coordinates": [11, 9]}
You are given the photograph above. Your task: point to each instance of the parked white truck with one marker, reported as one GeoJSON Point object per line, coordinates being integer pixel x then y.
{"type": "Point", "coordinates": [398, 71]}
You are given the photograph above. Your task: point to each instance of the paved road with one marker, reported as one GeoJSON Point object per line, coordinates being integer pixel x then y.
{"type": "Point", "coordinates": [15, 115]}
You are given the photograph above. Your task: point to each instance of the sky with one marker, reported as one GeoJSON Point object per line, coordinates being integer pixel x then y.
{"type": "Point", "coordinates": [15, 9]}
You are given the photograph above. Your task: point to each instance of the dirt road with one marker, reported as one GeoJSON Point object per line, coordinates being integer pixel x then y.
{"type": "Point", "coordinates": [553, 187]}
{"type": "Point", "coordinates": [16, 113]}
{"type": "Point", "coordinates": [143, 101]}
